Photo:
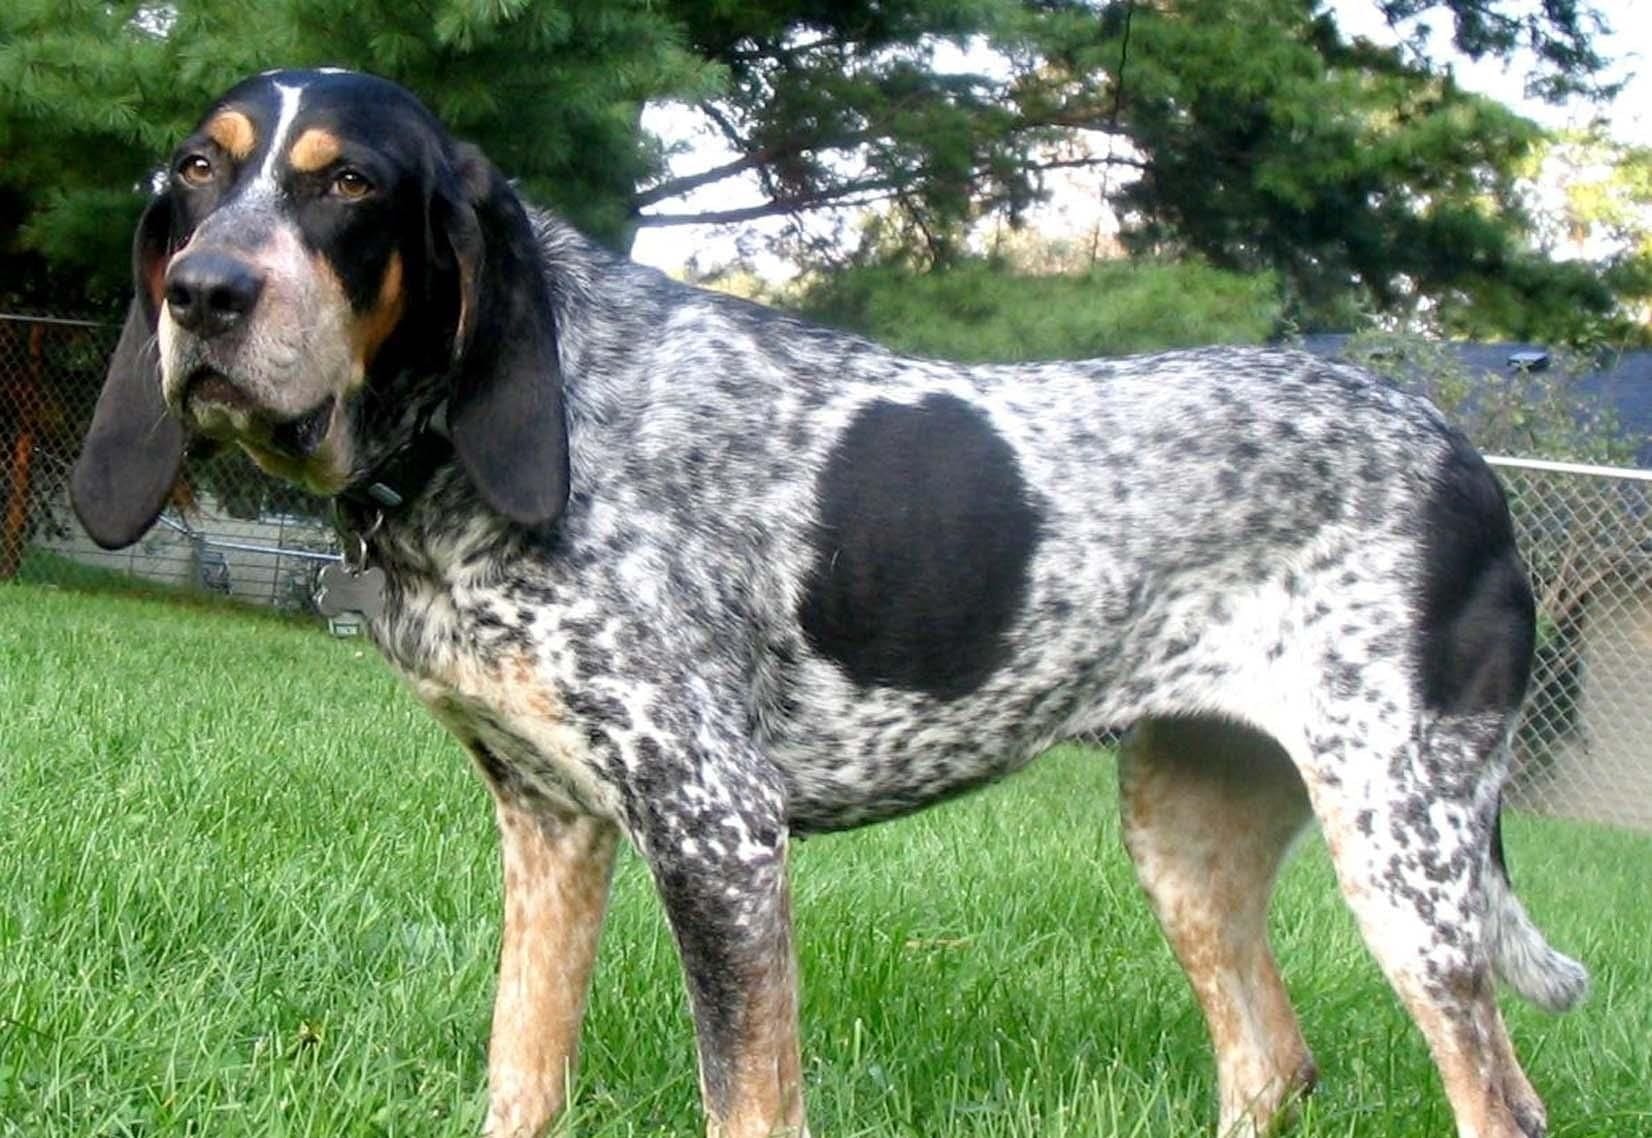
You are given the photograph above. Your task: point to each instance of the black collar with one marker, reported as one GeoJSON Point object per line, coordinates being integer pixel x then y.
{"type": "Point", "coordinates": [402, 475]}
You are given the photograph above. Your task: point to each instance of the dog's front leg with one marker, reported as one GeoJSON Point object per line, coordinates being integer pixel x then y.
{"type": "Point", "coordinates": [722, 877]}
{"type": "Point", "coordinates": [557, 869]}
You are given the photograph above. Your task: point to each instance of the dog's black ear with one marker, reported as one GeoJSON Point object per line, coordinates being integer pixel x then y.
{"type": "Point", "coordinates": [505, 412]}
{"type": "Point", "coordinates": [132, 452]}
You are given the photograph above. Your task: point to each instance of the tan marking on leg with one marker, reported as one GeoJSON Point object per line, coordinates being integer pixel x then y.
{"type": "Point", "coordinates": [1210, 812]}
{"type": "Point", "coordinates": [1517, 1088]}
{"type": "Point", "coordinates": [557, 866]}
{"type": "Point", "coordinates": [1475, 1058]}
{"type": "Point", "coordinates": [557, 871]}
{"type": "Point", "coordinates": [315, 149]}
{"type": "Point", "coordinates": [764, 1098]}
{"type": "Point", "coordinates": [233, 131]}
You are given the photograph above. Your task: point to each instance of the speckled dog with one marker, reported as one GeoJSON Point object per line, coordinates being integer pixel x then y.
{"type": "Point", "coordinates": [677, 568]}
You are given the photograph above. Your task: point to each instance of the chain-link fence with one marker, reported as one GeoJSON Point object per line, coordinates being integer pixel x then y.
{"type": "Point", "coordinates": [48, 371]}
{"type": "Point", "coordinates": [228, 528]}
{"type": "Point", "coordinates": [1585, 747]}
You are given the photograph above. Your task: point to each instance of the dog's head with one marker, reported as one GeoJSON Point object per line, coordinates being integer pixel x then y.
{"type": "Point", "coordinates": [321, 250]}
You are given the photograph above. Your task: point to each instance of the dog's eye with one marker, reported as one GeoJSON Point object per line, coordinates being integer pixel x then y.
{"type": "Point", "coordinates": [351, 184]}
{"type": "Point", "coordinates": [195, 170]}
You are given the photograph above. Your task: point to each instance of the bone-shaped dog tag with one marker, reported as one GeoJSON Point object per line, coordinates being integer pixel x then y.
{"type": "Point", "coordinates": [340, 589]}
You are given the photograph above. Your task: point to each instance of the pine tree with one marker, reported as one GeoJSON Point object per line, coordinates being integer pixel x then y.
{"type": "Point", "coordinates": [1264, 138]}
{"type": "Point", "coordinates": [93, 95]}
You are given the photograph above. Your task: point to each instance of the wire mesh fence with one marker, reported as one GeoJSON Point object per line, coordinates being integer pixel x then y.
{"type": "Point", "coordinates": [1584, 748]}
{"type": "Point", "coordinates": [227, 529]}
{"type": "Point", "coordinates": [47, 367]}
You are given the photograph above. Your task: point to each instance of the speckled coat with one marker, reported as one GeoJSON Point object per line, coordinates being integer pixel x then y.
{"type": "Point", "coordinates": [703, 576]}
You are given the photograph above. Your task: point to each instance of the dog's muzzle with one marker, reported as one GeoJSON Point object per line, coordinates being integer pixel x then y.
{"type": "Point", "coordinates": [210, 293]}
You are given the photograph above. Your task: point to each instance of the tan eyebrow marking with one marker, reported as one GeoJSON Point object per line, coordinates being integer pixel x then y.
{"type": "Point", "coordinates": [314, 149]}
{"type": "Point", "coordinates": [233, 131]}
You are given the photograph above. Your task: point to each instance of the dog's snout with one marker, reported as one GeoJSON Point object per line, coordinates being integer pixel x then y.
{"type": "Point", "coordinates": [209, 293]}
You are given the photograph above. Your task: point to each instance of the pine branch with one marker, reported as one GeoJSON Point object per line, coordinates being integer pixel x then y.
{"type": "Point", "coordinates": [676, 187]}
{"type": "Point", "coordinates": [757, 159]}
{"type": "Point", "coordinates": [868, 194]}
{"type": "Point", "coordinates": [871, 191]}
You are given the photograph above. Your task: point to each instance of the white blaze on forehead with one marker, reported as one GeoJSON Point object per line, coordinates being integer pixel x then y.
{"type": "Point", "coordinates": [278, 138]}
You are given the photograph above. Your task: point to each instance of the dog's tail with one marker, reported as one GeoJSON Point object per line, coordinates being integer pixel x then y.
{"type": "Point", "coordinates": [1521, 956]}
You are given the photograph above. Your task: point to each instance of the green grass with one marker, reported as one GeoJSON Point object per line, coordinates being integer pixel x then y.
{"type": "Point", "coordinates": [250, 889]}
{"type": "Point", "coordinates": [978, 311]}
{"type": "Point", "coordinates": [54, 571]}
{"type": "Point", "coordinates": [42, 567]}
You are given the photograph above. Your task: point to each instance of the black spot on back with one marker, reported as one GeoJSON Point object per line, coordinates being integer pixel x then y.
{"type": "Point", "coordinates": [924, 535]}
{"type": "Point", "coordinates": [1478, 616]}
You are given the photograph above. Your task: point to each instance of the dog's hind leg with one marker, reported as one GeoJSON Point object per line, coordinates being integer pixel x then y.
{"type": "Point", "coordinates": [1412, 833]}
{"type": "Point", "coordinates": [1210, 811]}
{"type": "Point", "coordinates": [1404, 756]}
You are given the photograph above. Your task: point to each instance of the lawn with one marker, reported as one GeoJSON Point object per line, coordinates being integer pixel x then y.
{"type": "Point", "coordinates": [250, 889]}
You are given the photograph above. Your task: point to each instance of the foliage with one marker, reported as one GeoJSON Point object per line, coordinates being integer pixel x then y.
{"type": "Point", "coordinates": [93, 95]}
{"type": "Point", "coordinates": [1351, 170]}
{"type": "Point", "coordinates": [831, 100]}
{"type": "Point", "coordinates": [1533, 413]}
{"type": "Point", "coordinates": [1559, 35]}
{"type": "Point", "coordinates": [1604, 212]}
{"type": "Point", "coordinates": [979, 310]}
{"type": "Point", "coordinates": [1607, 191]}
{"type": "Point", "coordinates": [826, 106]}
{"type": "Point", "coordinates": [1263, 139]}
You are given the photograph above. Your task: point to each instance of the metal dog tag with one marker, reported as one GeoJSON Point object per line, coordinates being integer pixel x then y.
{"type": "Point", "coordinates": [341, 589]}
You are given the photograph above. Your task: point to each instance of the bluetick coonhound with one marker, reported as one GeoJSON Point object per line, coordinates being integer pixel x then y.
{"type": "Point", "coordinates": [680, 569]}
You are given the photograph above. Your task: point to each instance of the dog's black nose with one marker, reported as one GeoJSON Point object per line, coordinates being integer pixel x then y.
{"type": "Point", "coordinates": [208, 293]}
